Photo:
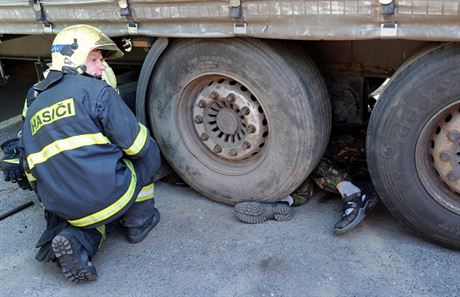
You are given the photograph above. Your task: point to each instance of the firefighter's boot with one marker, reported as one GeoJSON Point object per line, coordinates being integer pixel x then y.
{"type": "Point", "coordinates": [73, 257]}
{"type": "Point", "coordinates": [140, 219]}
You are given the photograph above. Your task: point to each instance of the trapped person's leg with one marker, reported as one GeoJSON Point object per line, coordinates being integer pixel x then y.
{"type": "Point", "coordinates": [356, 203]}
{"type": "Point", "coordinates": [355, 206]}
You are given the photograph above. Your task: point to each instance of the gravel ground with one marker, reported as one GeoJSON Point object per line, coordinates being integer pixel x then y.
{"type": "Point", "coordinates": [200, 249]}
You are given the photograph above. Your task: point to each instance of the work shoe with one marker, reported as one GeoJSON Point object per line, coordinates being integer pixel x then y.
{"type": "Point", "coordinates": [73, 258]}
{"type": "Point", "coordinates": [259, 212]}
{"type": "Point", "coordinates": [137, 234]}
{"type": "Point", "coordinates": [354, 211]}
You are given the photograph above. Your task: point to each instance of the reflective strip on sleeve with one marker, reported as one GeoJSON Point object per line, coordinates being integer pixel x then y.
{"type": "Point", "coordinates": [11, 161]}
{"type": "Point", "coordinates": [139, 142]}
{"type": "Point", "coordinates": [66, 144]}
{"type": "Point", "coordinates": [147, 192]}
{"type": "Point", "coordinates": [30, 177]}
{"type": "Point", "coordinates": [111, 209]}
{"type": "Point", "coordinates": [24, 109]}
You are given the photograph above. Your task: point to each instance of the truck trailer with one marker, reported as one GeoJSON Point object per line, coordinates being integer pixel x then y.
{"type": "Point", "coordinates": [241, 95]}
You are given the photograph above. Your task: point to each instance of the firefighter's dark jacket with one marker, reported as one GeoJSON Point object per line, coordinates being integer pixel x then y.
{"type": "Point", "coordinates": [86, 154]}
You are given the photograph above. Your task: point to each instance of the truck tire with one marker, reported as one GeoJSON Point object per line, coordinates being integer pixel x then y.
{"type": "Point", "coordinates": [239, 119]}
{"type": "Point", "coordinates": [413, 145]}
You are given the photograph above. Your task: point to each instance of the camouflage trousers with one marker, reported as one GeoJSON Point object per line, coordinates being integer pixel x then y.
{"type": "Point", "coordinates": [344, 160]}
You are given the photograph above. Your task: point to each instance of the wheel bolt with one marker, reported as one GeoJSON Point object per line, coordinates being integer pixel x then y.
{"type": "Point", "coordinates": [217, 149]}
{"type": "Point", "coordinates": [453, 175]}
{"type": "Point", "coordinates": [445, 156]}
{"type": "Point", "coordinates": [233, 152]}
{"type": "Point", "coordinates": [204, 136]}
{"type": "Point", "coordinates": [202, 104]}
{"type": "Point", "coordinates": [230, 98]}
{"type": "Point", "coordinates": [198, 119]}
{"type": "Point", "coordinates": [246, 145]}
{"type": "Point", "coordinates": [245, 111]}
{"type": "Point", "coordinates": [453, 135]}
{"type": "Point", "coordinates": [214, 95]}
{"type": "Point", "coordinates": [251, 129]}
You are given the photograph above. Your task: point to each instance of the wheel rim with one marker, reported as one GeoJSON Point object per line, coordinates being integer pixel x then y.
{"type": "Point", "coordinates": [226, 118]}
{"type": "Point", "coordinates": [438, 157]}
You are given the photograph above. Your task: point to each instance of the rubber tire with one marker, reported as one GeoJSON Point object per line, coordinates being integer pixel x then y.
{"type": "Point", "coordinates": [289, 88]}
{"type": "Point", "coordinates": [415, 93]}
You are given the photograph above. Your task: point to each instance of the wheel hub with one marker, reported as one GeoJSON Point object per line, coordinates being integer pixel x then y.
{"type": "Point", "coordinates": [446, 151]}
{"type": "Point", "coordinates": [437, 157]}
{"type": "Point", "coordinates": [229, 120]}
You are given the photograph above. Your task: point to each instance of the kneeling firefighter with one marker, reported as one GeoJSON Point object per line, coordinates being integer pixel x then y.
{"type": "Point", "coordinates": [86, 156]}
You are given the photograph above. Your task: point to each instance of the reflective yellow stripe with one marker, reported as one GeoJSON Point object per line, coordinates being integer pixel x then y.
{"type": "Point", "coordinates": [30, 177]}
{"type": "Point", "coordinates": [24, 109]}
{"type": "Point", "coordinates": [111, 209]}
{"type": "Point", "coordinates": [66, 144]}
{"type": "Point", "coordinates": [12, 161]}
{"type": "Point", "coordinates": [139, 142]}
{"type": "Point", "coordinates": [101, 229]}
{"type": "Point", "coordinates": [147, 192]}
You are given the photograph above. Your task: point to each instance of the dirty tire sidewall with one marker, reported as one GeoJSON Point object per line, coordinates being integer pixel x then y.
{"type": "Point", "coordinates": [414, 95]}
{"type": "Point", "coordinates": [298, 115]}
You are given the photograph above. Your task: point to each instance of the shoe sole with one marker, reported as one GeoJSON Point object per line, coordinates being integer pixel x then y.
{"type": "Point", "coordinates": [256, 213]}
{"type": "Point", "coordinates": [69, 264]}
{"type": "Point", "coordinates": [359, 218]}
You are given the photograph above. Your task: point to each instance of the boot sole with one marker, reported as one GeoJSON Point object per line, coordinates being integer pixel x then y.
{"type": "Point", "coordinates": [256, 213]}
{"type": "Point", "coordinates": [69, 264]}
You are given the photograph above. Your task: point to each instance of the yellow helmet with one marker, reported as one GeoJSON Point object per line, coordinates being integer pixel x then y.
{"type": "Point", "coordinates": [72, 45]}
{"type": "Point", "coordinates": [109, 76]}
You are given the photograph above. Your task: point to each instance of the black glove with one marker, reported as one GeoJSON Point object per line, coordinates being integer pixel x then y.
{"type": "Point", "coordinates": [10, 164]}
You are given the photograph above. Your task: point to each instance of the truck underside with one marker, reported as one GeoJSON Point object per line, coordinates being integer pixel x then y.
{"type": "Point", "coordinates": [242, 96]}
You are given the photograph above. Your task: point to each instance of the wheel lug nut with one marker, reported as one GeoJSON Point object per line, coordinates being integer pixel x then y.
{"type": "Point", "coordinates": [233, 152]}
{"type": "Point", "coordinates": [230, 98]}
{"type": "Point", "coordinates": [217, 149]}
{"type": "Point", "coordinates": [198, 119]}
{"type": "Point", "coordinates": [202, 104]}
{"type": "Point", "coordinates": [445, 156]}
{"type": "Point", "coordinates": [453, 135]}
{"type": "Point", "coordinates": [251, 129]}
{"type": "Point", "coordinates": [453, 175]}
{"type": "Point", "coordinates": [245, 111]}
{"type": "Point", "coordinates": [246, 145]}
{"type": "Point", "coordinates": [204, 136]}
{"type": "Point", "coordinates": [214, 95]}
